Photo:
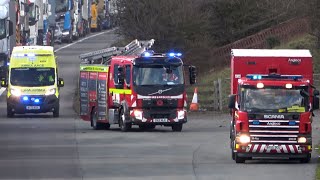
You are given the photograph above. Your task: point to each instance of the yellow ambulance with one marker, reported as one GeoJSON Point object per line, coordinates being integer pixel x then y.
{"type": "Point", "coordinates": [33, 82]}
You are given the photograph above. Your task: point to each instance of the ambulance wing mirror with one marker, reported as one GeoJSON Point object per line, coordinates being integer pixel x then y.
{"type": "Point", "coordinates": [232, 101]}
{"type": "Point", "coordinates": [193, 74]}
{"type": "Point", "coordinates": [120, 75]}
{"type": "Point", "coordinates": [60, 82]}
{"type": "Point", "coordinates": [4, 83]}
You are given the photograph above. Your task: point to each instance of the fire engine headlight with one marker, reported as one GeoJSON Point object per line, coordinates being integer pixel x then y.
{"type": "Point", "coordinates": [244, 139]}
{"type": "Point", "coordinates": [181, 114]}
{"type": "Point", "coordinates": [138, 114]}
{"type": "Point", "coordinates": [50, 91]}
{"type": "Point", "coordinates": [302, 140]}
{"type": "Point", "coordinates": [15, 92]}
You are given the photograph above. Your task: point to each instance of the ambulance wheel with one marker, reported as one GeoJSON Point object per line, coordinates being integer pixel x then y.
{"type": "Point", "coordinates": [306, 159]}
{"type": "Point", "coordinates": [56, 112]}
{"type": "Point", "coordinates": [239, 159]}
{"type": "Point", "coordinates": [94, 121]}
{"type": "Point", "coordinates": [177, 127]}
{"type": "Point", "coordinates": [123, 125]}
{"type": "Point", "coordinates": [10, 113]}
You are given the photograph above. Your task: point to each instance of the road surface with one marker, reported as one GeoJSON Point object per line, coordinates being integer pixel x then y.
{"type": "Point", "coordinates": [41, 147]}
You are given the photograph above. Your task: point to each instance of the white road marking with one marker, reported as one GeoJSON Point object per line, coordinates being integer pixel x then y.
{"type": "Point", "coordinates": [2, 90]}
{"type": "Point", "coordinates": [94, 35]}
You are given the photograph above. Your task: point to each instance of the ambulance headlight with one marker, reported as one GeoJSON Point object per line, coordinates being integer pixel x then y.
{"type": "Point", "coordinates": [181, 114]}
{"type": "Point", "coordinates": [50, 91]}
{"type": "Point", "coordinates": [302, 140]}
{"type": "Point", "coordinates": [15, 92]}
{"type": "Point", "coordinates": [138, 114]}
{"type": "Point", "coordinates": [244, 139]}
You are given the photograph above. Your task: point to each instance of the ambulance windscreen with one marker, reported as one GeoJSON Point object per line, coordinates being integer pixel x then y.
{"type": "Point", "coordinates": [32, 76]}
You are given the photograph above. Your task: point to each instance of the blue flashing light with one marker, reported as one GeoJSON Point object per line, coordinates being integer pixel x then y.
{"type": "Point", "coordinates": [25, 98]}
{"type": "Point", "coordinates": [171, 54]}
{"type": "Point", "coordinates": [36, 100]}
{"type": "Point", "coordinates": [255, 122]}
{"type": "Point", "coordinates": [8, 64]}
{"type": "Point", "coordinates": [146, 54]}
{"type": "Point", "coordinates": [24, 55]}
{"type": "Point", "coordinates": [292, 123]}
{"type": "Point", "coordinates": [273, 76]}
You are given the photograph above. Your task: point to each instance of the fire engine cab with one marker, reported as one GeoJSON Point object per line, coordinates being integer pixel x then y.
{"type": "Point", "coordinates": [272, 101]}
{"type": "Point", "coordinates": [133, 86]}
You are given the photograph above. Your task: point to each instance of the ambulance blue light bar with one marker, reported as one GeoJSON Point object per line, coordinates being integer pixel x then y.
{"type": "Point", "coordinates": [273, 76]}
{"type": "Point", "coordinates": [24, 55]}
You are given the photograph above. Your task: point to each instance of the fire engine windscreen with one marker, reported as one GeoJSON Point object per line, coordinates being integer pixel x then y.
{"type": "Point", "coordinates": [158, 75]}
{"type": "Point", "coordinates": [274, 100]}
{"type": "Point", "coordinates": [32, 76]}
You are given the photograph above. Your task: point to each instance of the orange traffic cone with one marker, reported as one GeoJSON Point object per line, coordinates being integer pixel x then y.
{"type": "Point", "coordinates": [194, 106]}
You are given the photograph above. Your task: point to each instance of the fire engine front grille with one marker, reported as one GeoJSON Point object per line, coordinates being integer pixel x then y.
{"type": "Point", "coordinates": [273, 130]}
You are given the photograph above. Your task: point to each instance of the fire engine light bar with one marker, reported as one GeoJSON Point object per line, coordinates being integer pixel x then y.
{"type": "Point", "coordinates": [175, 54]}
{"type": "Point", "coordinates": [273, 76]}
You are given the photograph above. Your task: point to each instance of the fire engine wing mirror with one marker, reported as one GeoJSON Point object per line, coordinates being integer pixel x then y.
{"type": "Point", "coordinates": [60, 82]}
{"type": "Point", "coordinates": [315, 104]}
{"type": "Point", "coordinates": [120, 75]}
{"type": "Point", "coordinates": [10, 24]}
{"type": "Point", "coordinates": [4, 83]}
{"type": "Point", "coordinates": [232, 101]}
{"type": "Point", "coordinates": [315, 92]}
{"type": "Point", "coordinates": [193, 74]}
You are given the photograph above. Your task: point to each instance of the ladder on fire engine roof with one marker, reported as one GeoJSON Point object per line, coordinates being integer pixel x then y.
{"type": "Point", "coordinates": [134, 48]}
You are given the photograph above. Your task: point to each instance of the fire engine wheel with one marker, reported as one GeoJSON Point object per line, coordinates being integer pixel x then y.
{"type": "Point", "coordinates": [239, 159]}
{"type": "Point", "coordinates": [233, 154]}
{"type": "Point", "coordinates": [10, 113]}
{"type": "Point", "coordinates": [177, 127]}
{"type": "Point", "coordinates": [96, 125]}
{"type": "Point", "coordinates": [306, 159]}
{"type": "Point", "coordinates": [123, 125]}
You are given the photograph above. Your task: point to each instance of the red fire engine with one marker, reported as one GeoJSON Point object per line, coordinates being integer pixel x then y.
{"type": "Point", "coordinates": [272, 100]}
{"type": "Point", "coordinates": [133, 86]}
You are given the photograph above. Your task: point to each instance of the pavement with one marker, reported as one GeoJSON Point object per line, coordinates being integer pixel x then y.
{"type": "Point", "coordinates": [41, 147]}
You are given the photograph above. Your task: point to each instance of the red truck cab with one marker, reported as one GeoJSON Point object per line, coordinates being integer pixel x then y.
{"type": "Point", "coordinates": [146, 90]}
{"type": "Point", "coordinates": [271, 102]}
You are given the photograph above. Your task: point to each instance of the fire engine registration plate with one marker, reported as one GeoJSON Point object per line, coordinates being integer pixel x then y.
{"type": "Point", "coordinates": [160, 120]}
{"type": "Point", "coordinates": [33, 107]}
{"type": "Point", "coordinates": [273, 147]}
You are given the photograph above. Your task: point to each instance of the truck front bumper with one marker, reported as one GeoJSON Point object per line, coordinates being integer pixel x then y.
{"type": "Point", "coordinates": [33, 104]}
{"type": "Point", "coordinates": [274, 150]}
{"type": "Point", "coordinates": [158, 117]}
